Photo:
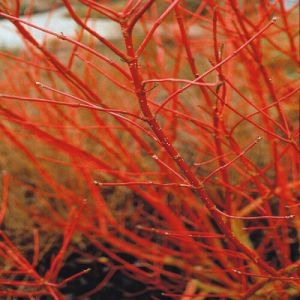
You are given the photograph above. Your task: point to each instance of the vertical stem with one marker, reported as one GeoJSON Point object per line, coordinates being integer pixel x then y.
{"type": "Point", "coordinates": [137, 79]}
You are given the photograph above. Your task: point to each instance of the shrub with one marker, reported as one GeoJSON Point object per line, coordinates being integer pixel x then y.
{"type": "Point", "coordinates": [169, 156]}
